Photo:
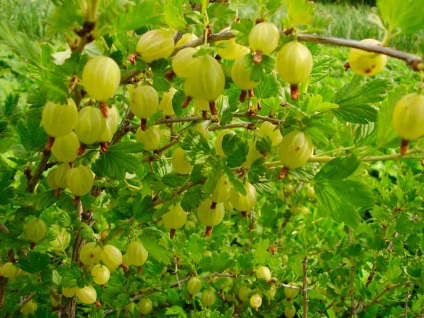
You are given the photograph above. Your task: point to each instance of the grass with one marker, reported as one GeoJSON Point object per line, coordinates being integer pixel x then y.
{"type": "Point", "coordinates": [28, 16]}
{"type": "Point", "coordinates": [356, 22]}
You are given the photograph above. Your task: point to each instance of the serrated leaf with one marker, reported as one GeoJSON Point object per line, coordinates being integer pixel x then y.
{"type": "Point", "coordinates": [405, 15]}
{"type": "Point", "coordinates": [158, 252]}
{"type": "Point", "coordinates": [10, 105]}
{"type": "Point", "coordinates": [174, 180]}
{"type": "Point", "coordinates": [358, 114]}
{"type": "Point", "coordinates": [362, 91]}
{"type": "Point", "coordinates": [174, 15]}
{"type": "Point", "coordinates": [321, 69]}
{"type": "Point", "coordinates": [176, 311]}
{"type": "Point", "coordinates": [332, 202]}
{"type": "Point", "coordinates": [192, 198]}
{"type": "Point", "coordinates": [45, 199]}
{"type": "Point", "coordinates": [221, 261]}
{"type": "Point", "coordinates": [300, 12]}
{"type": "Point", "coordinates": [70, 275]}
{"type": "Point", "coordinates": [118, 160]}
{"type": "Point", "coordinates": [34, 262]}
{"type": "Point", "coordinates": [32, 136]}
{"type": "Point", "coordinates": [338, 168]}
{"type": "Point", "coordinates": [143, 208]}
{"type": "Point", "coordinates": [354, 99]}
{"type": "Point", "coordinates": [147, 12]}
{"type": "Point", "coordinates": [235, 150]}
{"type": "Point", "coordinates": [267, 87]}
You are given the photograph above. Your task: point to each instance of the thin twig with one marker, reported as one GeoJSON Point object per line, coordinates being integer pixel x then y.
{"type": "Point", "coordinates": [382, 293]}
{"type": "Point", "coordinates": [412, 60]}
{"type": "Point", "coordinates": [305, 287]}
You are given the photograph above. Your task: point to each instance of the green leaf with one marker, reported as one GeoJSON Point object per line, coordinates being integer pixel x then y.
{"type": "Point", "coordinates": [19, 42]}
{"type": "Point", "coordinates": [10, 106]}
{"type": "Point", "coordinates": [300, 12]}
{"type": "Point", "coordinates": [147, 12]}
{"type": "Point", "coordinates": [338, 168]}
{"type": "Point", "coordinates": [70, 275]}
{"type": "Point", "coordinates": [354, 192]}
{"type": "Point", "coordinates": [174, 15]}
{"type": "Point", "coordinates": [354, 99]}
{"type": "Point", "coordinates": [32, 136]}
{"type": "Point", "coordinates": [359, 114]}
{"type": "Point", "coordinates": [267, 87]}
{"type": "Point", "coordinates": [333, 203]}
{"type": "Point", "coordinates": [235, 149]}
{"type": "Point", "coordinates": [150, 239]}
{"type": "Point", "coordinates": [143, 208]}
{"type": "Point", "coordinates": [405, 15]}
{"type": "Point", "coordinates": [34, 262]}
{"type": "Point", "coordinates": [385, 131]}
{"type": "Point", "coordinates": [221, 261]}
{"type": "Point", "coordinates": [321, 68]}
{"type": "Point", "coordinates": [7, 193]}
{"type": "Point", "coordinates": [175, 311]}
{"type": "Point", "coordinates": [192, 198]}
{"type": "Point", "coordinates": [174, 180]}
{"type": "Point", "coordinates": [118, 160]}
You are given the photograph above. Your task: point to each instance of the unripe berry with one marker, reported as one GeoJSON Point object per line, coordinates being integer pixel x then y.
{"type": "Point", "coordinates": [230, 49]}
{"type": "Point", "coordinates": [207, 80]}
{"type": "Point", "coordinates": [255, 301]}
{"type": "Point", "coordinates": [100, 273]}
{"type": "Point", "coordinates": [90, 253]}
{"type": "Point", "coordinates": [136, 253]}
{"type": "Point", "coordinates": [367, 63]}
{"type": "Point", "coordinates": [408, 116]}
{"type": "Point", "coordinates": [69, 291]}
{"type": "Point", "coordinates": [145, 306]}
{"type": "Point", "coordinates": [59, 119]}
{"type": "Point", "coordinates": [264, 37]}
{"type": "Point", "coordinates": [29, 308]}
{"type": "Point", "coordinates": [65, 148]}
{"type": "Point", "coordinates": [264, 273]}
{"type": "Point", "coordinates": [194, 285]}
{"type": "Point", "coordinates": [101, 77]}
{"type": "Point", "coordinates": [35, 230]}
{"type": "Point", "coordinates": [150, 138]}
{"type": "Point", "coordinates": [210, 217]}
{"type": "Point", "coordinates": [295, 149]}
{"type": "Point", "coordinates": [111, 256]}
{"type": "Point", "coordinates": [241, 73]}
{"type": "Point", "coordinates": [8, 270]}
{"type": "Point", "coordinates": [179, 161]}
{"type": "Point", "coordinates": [80, 180]}
{"type": "Point", "coordinates": [208, 298]}
{"type": "Point", "coordinates": [183, 62]}
{"type": "Point", "coordinates": [144, 101]}
{"type": "Point", "coordinates": [155, 44]}
{"type": "Point", "coordinates": [91, 124]}
{"type": "Point", "coordinates": [87, 295]}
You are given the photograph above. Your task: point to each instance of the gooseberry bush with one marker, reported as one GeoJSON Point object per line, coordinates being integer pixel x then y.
{"type": "Point", "coordinates": [211, 159]}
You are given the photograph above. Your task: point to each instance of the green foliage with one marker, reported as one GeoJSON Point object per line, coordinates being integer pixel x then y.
{"type": "Point", "coordinates": [347, 226]}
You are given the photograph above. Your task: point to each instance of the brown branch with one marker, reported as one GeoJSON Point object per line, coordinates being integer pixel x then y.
{"type": "Point", "coordinates": [3, 228]}
{"type": "Point", "coordinates": [412, 60]}
{"type": "Point", "coordinates": [305, 287]}
{"type": "Point", "coordinates": [35, 177]}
